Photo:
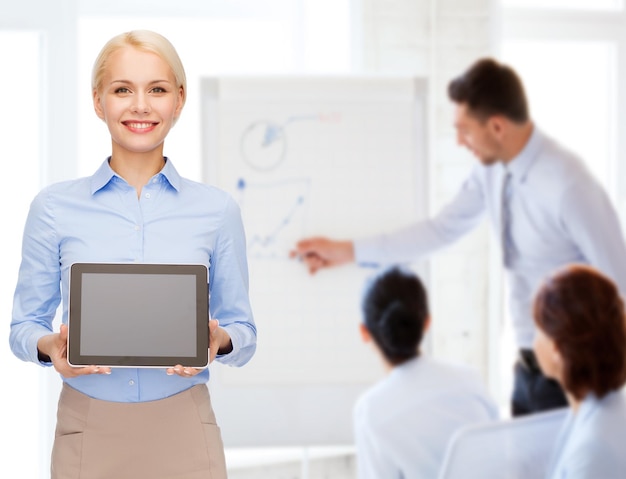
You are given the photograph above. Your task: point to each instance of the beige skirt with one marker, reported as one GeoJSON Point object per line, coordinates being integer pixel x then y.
{"type": "Point", "coordinates": [172, 438]}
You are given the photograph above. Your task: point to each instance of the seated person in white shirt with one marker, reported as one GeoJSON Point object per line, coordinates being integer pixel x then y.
{"type": "Point", "coordinates": [581, 342]}
{"type": "Point", "coordinates": [403, 424]}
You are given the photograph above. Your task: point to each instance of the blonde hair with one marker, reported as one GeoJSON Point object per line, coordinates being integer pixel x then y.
{"type": "Point", "coordinates": [143, 40]}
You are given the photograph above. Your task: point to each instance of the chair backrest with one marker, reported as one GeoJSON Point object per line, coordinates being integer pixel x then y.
{"type": "Point", "coordinates": [517, 448]}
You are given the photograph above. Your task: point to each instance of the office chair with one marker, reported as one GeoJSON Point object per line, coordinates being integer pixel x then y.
{"type": "Point", "coordinates": [517, 448]}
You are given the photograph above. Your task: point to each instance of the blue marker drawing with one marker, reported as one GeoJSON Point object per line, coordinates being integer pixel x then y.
{"type": "Point", "coordinates": [274, 215]}
{"type": "Point", "coordinates": [264, 142]}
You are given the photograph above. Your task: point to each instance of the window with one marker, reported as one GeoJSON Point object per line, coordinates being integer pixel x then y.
{"type": "Point", "coordinates": [567, 53]}
{"type": "Point", "coordinates": [575, 105]}
{"type": "Point", "coordinates": [567, 4]}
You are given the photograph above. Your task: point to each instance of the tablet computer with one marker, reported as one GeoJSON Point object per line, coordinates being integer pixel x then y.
{"type": "Point", "coordinates": [138, 315]}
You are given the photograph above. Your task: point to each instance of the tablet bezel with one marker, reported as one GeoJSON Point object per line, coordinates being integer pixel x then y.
{"type": "Point", "coordinates": [201, 357]}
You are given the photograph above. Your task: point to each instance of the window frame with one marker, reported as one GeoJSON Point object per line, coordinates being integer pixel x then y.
{"type": "Point", "coordinates": [543, 24]}
{"type": "Point", "coordinates": [576, 25]}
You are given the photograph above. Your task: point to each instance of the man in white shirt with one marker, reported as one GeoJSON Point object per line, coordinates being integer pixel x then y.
{"type": "Point", "coordinates": [543, 204]}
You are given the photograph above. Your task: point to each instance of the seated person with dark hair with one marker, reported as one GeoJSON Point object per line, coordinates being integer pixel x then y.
{"type": "Point", "coordinates": [403, 423]}
{"type": "Point", "coordinates": [581, 343]}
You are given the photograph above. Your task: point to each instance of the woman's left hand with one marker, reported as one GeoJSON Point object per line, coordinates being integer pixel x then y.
{"type": "Point", "coordinates": [219, 341]}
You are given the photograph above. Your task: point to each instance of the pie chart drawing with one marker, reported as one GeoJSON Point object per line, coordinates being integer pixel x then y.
{"type": "Point", "coordinates": [263, 145]}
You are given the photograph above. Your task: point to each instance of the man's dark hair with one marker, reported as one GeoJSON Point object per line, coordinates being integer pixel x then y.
{"type": "Point", "coordinates": [489, 88]}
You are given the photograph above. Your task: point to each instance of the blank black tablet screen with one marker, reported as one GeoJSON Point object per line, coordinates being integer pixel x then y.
{"type": "Point", "coordinates": [138, 315]}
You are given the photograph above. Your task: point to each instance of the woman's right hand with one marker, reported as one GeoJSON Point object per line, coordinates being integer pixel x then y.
{"type": "Point", "coordinates": [55, 347]}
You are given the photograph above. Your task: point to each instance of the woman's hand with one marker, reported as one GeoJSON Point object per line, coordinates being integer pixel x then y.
{"type": "Point", "coordinates": [219, 341]}
{"type": "Point", "coordinates": [55, 347]}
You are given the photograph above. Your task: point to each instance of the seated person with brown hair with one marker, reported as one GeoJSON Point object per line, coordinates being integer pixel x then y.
{"type": "Point", "coordinates": [581, 343]}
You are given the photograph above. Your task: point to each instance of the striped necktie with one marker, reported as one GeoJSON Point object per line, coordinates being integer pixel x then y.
{"type": "Point", "coordinates": [508, 247]}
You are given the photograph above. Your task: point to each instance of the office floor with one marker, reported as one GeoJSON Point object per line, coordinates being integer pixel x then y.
{"type": "Point", "coordinates": [292, 463]}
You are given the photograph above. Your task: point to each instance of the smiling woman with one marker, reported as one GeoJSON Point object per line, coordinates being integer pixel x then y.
{"type": "Point", "coordinates": [47, 141]}
{"type": "Point", "coordinates": [140, 98]}
{"type": "Point", "coordinates": [135, 208]}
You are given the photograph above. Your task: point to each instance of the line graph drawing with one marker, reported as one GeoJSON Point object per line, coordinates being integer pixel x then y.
{"type": "Point", "coordinates": [264, 142]}
{"type": "Point", "coordinates": [275, 215]}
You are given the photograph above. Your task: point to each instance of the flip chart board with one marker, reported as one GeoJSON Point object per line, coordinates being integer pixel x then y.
{"type": "Point", "coordinates": [342, 157]}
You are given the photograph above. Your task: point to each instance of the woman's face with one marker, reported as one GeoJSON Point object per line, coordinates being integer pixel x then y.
{"type": "Point", "coordinates": [547, 355]}
{"type": "Point", "coordinates": [138, 100]}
